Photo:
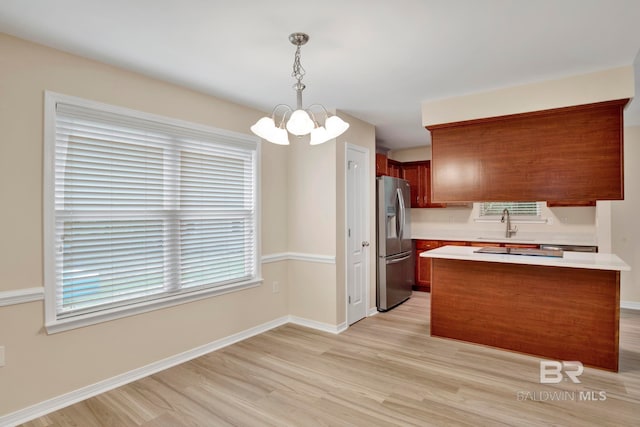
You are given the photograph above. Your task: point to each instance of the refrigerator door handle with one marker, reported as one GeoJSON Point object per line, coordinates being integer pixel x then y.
{"type": "Point", "coordinates": [400, 197]}
{"type": "Point", "coordinates": [397, 260]}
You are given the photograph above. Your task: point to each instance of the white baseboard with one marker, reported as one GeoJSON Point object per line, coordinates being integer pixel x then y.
{"type": "Point", "coordinates": [43, 408]}
{"type": "Point", "coordinates": [372, 311]}
{"type": "Point", "coordinates": [320, 326]}
{"type": "Point", "coordinates": [630, 305]}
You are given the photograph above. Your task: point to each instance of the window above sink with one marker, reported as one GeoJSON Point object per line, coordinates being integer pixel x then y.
{"type": "Point", "coordinates": [519, 211]}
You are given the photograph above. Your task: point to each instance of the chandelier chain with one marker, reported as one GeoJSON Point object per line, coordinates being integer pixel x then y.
{"type": "Point", "coordinates": [298, 71]}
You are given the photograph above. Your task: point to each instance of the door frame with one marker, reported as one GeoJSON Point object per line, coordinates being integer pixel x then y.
{"type": "Point", "coordinates": [367, 224]}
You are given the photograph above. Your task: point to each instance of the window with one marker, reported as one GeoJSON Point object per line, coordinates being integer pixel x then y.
{"type": "Point", "coordinates": [142, 211]}
{"type": "Point", "coordinates": [521, 210]}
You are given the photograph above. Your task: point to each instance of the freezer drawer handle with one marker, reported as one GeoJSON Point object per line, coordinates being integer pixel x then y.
{"type": "Point", "coordinates": [394, 261]}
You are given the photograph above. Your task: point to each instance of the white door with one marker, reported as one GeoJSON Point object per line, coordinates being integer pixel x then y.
{"type": "Point", "coordinates": [358, 246]}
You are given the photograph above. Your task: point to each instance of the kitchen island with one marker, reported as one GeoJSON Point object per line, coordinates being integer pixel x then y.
{"type": "Point", "coordinates": [562, 308]}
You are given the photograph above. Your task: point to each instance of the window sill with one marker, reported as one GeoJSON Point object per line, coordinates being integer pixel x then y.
{"type": "Point", "coordinates": [83, 320]}
{"type": "Point", "coordinates": [514, 221]}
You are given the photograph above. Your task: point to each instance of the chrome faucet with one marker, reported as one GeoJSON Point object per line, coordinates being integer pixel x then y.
{"type": "Point", "coordinates": [510, 231]}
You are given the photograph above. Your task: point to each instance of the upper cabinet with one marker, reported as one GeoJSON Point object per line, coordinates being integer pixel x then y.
{"type": "Point", "coordinates": [413, 173]}
{"type": "Point", "coordinates": [381, 164]}
{"type": "Point", "coordinates": [419, 176]}
{"type": "Point", "coordinates": [386, 166]}
{"type": "Point", "coordinates": [417, 173]}
{"type": "Point", "coordinates": [566, 155]}
{"type": "Point", "coordinates": [394, 168]}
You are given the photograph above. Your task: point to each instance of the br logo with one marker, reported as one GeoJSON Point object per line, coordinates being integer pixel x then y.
{"type": "Point", "coordinates": [551, 371]}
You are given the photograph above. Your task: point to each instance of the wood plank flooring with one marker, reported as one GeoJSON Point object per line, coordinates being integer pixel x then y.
{"type": "Point", "coordinates": [383, 371]}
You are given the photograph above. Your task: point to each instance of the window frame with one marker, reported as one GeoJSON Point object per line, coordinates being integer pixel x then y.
{"type": "Point", "coordinates": [514, 216]}
{"type": "Point", "coordinates": [53, 323]}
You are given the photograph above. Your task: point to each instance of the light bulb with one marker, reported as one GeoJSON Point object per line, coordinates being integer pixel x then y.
{"type": "Point", "coordinates": [300, 123]}
{"type": "Point", "coordinates": [279, 136]}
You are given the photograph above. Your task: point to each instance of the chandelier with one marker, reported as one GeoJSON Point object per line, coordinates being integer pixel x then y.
{"type": "Point", "coordinates": [301, 121]}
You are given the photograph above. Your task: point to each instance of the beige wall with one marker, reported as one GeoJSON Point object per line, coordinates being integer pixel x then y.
{"type": "Point", "coordinates": [311, 229]}
{"type": "Point", "coordinates": [41, 366]}
{"type": "Point", "coordinates": [616, 83]}
{"type": "Point", "coordinates": [625, 230]}
{"type": "Point", "coordinates": [411, 154]}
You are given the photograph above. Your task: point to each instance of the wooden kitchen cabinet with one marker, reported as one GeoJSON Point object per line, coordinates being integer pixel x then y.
{"type": "Point", "coordinates": [570, 154]}
{"type": "Point", "coordinates": [419, 176]}
{"type": "Point", "coordinates": [558, 204]}
{"type": "Point", "coordinates": [381, 164]}
{"type": "Point", "coordinates": [423, 265]}
{"type": "Point", "coordinates": [413, 172]}
{"type": "Point", "coordinates": [394, 168]}
{"type": "Point", "coordinates": [387, 167]}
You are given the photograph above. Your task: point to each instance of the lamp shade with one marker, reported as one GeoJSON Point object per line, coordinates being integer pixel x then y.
{"type": "Point", "coordinates": [319, 135]}
{"type": "Point", "coordinates": [300, 123]}
{"type": "Point", "coordinates": [279, 136]}
{"type": "Point", "coordinates": [264, 127]}
{"type": "Point", "coordinates": [335, 126]}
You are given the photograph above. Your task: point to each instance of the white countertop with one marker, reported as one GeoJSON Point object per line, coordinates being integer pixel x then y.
{"type": "Point", "coordinates": [595, 261]}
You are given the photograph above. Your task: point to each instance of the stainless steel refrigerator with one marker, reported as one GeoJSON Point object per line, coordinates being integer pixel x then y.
{"type": "Point", "coordinates": [395, 254]}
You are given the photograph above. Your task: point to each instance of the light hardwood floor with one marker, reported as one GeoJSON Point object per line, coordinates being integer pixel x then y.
{"type": "Point", "coordinates": [384, 370]}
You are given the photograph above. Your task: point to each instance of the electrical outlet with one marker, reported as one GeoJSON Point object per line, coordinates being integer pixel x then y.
{"type": "Point", "coordinates": [276, 287]}
{"type": "Point", "coordinates": [1, 355]}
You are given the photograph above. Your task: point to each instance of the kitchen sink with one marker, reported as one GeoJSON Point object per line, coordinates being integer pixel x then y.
{"type": "Point", "coordinates": [520, 251]}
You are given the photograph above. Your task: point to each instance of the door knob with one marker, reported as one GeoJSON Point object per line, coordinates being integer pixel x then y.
{"type": "Point", "coordinates": [365, 244]}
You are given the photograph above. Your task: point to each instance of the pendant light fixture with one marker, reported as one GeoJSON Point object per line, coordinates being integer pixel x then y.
{"type": "Point", "coordinates": [301, 121]}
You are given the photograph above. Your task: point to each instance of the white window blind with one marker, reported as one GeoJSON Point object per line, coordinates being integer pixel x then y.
{"type": "Point", "coordinates": [519, 209]}
{"type": "Point", "coordinates": [146, 210]}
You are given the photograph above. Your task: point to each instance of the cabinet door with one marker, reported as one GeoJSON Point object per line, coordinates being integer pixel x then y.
{"type": "Point", "coordinates": [423, 265]}
{"type": "Point", "coordinates": [423, 273]}
{"type": "Point", "coordinates": [426, 177]}
{"type": "Point", "coordinates": [412, 173]}
{"type": "Point", "coordinates": [381, 164]}
{"type": "Point", "coordinates": [394, 169]}
{"type": "Point", "coordinates": [419, 176]}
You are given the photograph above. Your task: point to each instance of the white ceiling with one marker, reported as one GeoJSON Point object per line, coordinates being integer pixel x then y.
{"type": "Point", "coordinates": [374, 59]}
